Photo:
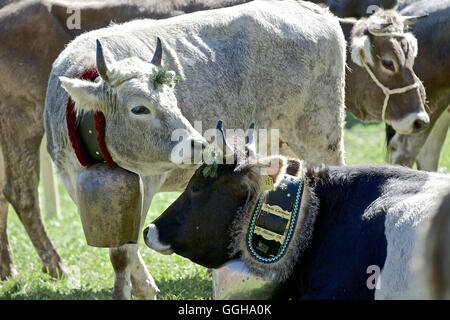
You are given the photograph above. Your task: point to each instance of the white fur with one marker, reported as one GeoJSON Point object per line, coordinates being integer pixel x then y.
{"type": "Point", "coordinates": [412, 40]}
{"type": "Point", "coordinates": [405, 125]}
{"type": "Point", "coordinates": [404, 218]}
{"type": "Point", "coordinates": [362, 45]}
{"type": "Point", "coordinates": [152, 240]}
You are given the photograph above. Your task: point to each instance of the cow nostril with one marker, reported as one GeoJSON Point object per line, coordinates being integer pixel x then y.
{"type": "Point", "coordinates": [145, 233]}
{"type": "Point", "coordinates": [419, 125]}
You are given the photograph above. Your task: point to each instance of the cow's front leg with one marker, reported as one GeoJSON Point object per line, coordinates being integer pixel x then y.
{"type": "Point", "coordinates": [121, 259]}
{"type": "Point", "coordinates": [128, 265]}
{"type": "Point", "coordinates": [144, 287]}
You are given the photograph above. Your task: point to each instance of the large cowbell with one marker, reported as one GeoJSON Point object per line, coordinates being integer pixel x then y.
{"type": "Point", "coordinates": [110, 205]}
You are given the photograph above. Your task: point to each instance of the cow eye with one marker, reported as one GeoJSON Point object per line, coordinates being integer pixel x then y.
{"type": "Point", "coordinates": [140, 110]}
{"type": "Point", "coordinates": [388, 64]}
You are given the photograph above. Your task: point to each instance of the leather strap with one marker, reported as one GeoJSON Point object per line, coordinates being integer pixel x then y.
{"type": "Point", "coordinates": [87, 131]}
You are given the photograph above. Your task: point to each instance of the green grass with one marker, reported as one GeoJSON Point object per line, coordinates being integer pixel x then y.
{"type": "Point", "coordinates": [177, 278]}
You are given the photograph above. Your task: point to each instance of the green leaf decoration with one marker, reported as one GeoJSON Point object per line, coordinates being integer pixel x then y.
{"type": "Point", "coordinates": [210, 170]}
{"type": "Point", "coordinates": [163, 76]}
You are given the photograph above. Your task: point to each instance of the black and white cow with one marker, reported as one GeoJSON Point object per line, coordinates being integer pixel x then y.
{"type": "Point", "coordinates": [357, 225]}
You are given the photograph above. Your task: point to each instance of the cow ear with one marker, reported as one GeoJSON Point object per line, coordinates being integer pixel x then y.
{"type": "Point", "coordinates": [362, 49]}
{"type": "Point", "coordinates": [85, 94]}
{"type": "Point", "coordinates": [274, 167]}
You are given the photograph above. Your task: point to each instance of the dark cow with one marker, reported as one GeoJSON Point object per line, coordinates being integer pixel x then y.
{"type": "Point", "coordinates": [354, 221]}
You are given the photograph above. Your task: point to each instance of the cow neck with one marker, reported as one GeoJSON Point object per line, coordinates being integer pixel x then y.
{"type": "Point", "coordinates": [303, 207]}
{"type": "Point", "coordinates": [87, 131]}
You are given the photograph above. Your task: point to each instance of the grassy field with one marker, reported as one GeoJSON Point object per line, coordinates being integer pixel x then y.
{"type": "Point", "coordinates": [176, 277]}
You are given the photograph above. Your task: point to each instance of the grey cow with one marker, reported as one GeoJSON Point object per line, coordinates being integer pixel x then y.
{"type": "Point", "coordinates": [280, 63]}
{"type": "Point", "coordinates": [32, 34]}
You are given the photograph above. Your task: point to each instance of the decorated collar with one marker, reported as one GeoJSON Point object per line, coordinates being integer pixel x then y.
{"type": "Point", "coordinates": [87, 132]}
{"type": "Point", "coordinates": [274, 220]}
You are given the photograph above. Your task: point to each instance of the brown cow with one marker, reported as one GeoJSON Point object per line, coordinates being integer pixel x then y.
{"type": "Point", "coordinates": [32, 33]}
{"type": "Point", "coordinates": [381, 55]}
{"type": "Point", "coordinates": [432, 67]}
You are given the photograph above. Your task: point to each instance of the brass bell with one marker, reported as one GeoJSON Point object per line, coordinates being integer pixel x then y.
{"type": "Point", "coordinates": [110, 205]}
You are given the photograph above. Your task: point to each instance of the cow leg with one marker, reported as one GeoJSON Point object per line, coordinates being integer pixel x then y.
{"type": "Point", "coordinates": [429, 155]}
{"type": "Point", "coordinates": [121, 260]}
{"type": "Point", "coordinates": [127, 261]}
{"type": "Point", "coordinates": [144, 287]}
{"type": "Point", "coordinates": [128, 265]}
{"type": "Point", "coordinates": [21, 190]}
{"type": "Point", "coordinates": [6, 257]}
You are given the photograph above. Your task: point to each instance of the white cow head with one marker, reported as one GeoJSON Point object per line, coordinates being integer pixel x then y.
{"type": "Point", "coordinates": [138, 100]}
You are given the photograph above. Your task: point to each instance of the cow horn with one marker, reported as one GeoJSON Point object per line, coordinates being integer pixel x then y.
{"type": "Point", "coordinates": [101, 63]}
{"type": "Point", "coordinates": [409, 20]}
{"type": "Point", "coordinates": [156, 60]}
{"type": "Point", "coordinates": [250, 149]}
{"type": "Point", "coordinates": [224, 141]}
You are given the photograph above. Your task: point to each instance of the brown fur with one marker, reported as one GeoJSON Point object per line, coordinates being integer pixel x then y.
{"type": "Point", "coordinates": [367, 104]}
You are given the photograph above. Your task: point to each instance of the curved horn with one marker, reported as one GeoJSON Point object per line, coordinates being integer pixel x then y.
{"type": "Point", "coordinates": [101, 63]}
{"type": "Point", "coordinates": [224, 141]}
{"type": "Point", "coordinates": [250, 148]}
{"type": "Point", "coordinates": [156, 60]}
{"type": "Point", "coordinates": [409, 20]}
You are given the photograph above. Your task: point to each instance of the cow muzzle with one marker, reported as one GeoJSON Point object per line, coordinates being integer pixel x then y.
{"type": "Point", "coordinates": [188, 153]}
{"type": "Point", "coordinates": [151, 239]}
{"type": "Point", "coordinates": [412, 123]}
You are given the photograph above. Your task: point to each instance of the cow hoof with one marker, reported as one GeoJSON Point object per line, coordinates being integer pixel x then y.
{"type": "Point", "coordinates": [147, 291]}
{"type": "Point", "coordinates": [7, 272]}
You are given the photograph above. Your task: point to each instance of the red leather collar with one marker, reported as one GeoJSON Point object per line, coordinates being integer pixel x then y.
{"type": "Point", "coordinates": [79, 147]}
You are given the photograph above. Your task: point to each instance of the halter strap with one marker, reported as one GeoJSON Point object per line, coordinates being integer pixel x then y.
{"type": "Point", "coordinates": [387, 91]}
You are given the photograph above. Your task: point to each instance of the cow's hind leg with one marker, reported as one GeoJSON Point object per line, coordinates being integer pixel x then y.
{"type": "Point", "coordinates": [21, 190]}
{"type": "Point", "coordinates": [6, 257]}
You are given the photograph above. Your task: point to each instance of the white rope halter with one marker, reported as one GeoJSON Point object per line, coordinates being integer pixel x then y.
{"type": "Point", "coordinates": [387, 91]}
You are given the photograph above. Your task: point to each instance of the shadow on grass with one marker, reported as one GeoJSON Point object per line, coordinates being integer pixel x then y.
{"type": "Point", "coordinates": [22, 290]}
{"type": "Point", "coordinates": [191, 288]}
{"type": "Point", "coordinates": [194, 287]}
